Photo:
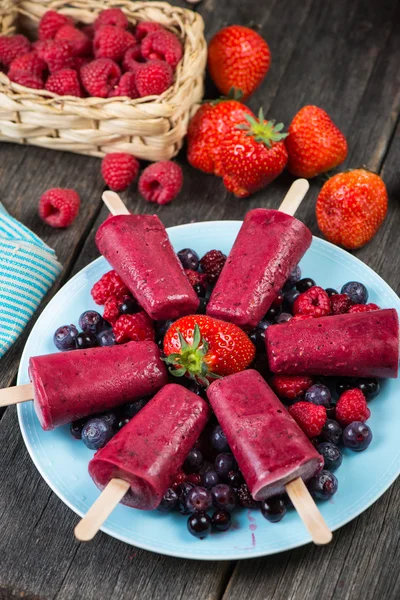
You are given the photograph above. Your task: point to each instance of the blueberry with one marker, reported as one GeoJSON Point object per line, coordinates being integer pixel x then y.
{"type": "Point", "coordinates": [331, 432]}
{"type": "Point", "coordinates": [182, 491]}
{"type": "Point", "coordinates": [318, 394]}
{"type": "Point", "coordinates": [295, 275]}
{"type": "Point", "coordinates": [64, 337]}
{"type": "Point", "coordinates": [357, 436]}
{"type": "Point", "coordinates": [86, 339]}
{"type": "Point", "coordinates": [224, 463]}
{"type": "Point", "coordinates": [273, 509]}
{"type": "Point", "coordinates": [76, 428]}
{"type": "Point", "coordinates": [331, 411]}
{"type": "Point", "coordinates": [129, 307]}
{"type": "Point", "coordinates": [169, 501]}
{"type": "Point", "coordinates": [199, 499]}
{"type": "Point", "coordinates": [332, 455]}
{"type": "Point", "coordinates": [235, 478]}
{"type": "Point", "coordinates": [106, 338]}
{"type": "Point", "coordinates": [331, 292]}
{"type": "Point", "coordinates": [194, 461]}
{"type": "Point", "coordinates": [356, 291]}
{"type": "Point", "coordinates": [131, 410]}
{"type": "Point", "coordinates": [202, 306]}
{"type": "Point", "coordinates": [199, 525]}
{"type": "Point", "coordinates": [124, 421]}
{"type": "Point", "coordinates": [218, 440]}
{"type": "Point", "coordinates": [369, 387]}
{"type": "Point", "coordinates": [273, 312]}
{"type": "Point", "coordinates": [344, 384]}
{"type": "Point", "coordinates": [97, 432]}
{"type": "Point", "coordinates": [189, 259]}
{"type": "Point", "coordinates": [223, 497]}
{"type": "Point", "coordinates": [210, 479]}
{"type": "Point", "coordinates": [323, 486]}
{"type": "Point", "coordinates": [305, 284]}
{"type": "Point", "coordinates": [258, 336]}
{"type": "Point", "coordinates": [109, 417]}
{"type": "Point", "coordinates": [91, 321]}
{"type": "Point", "coordinates": [221, 520]}
{"type": "Point", "coordinates": [283, 318]}
{"type": "Point", "coordinates": [289, 299]}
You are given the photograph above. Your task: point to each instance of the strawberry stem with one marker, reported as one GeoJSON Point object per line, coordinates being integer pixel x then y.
{"type": "Point", "coordinates": [263, 131]}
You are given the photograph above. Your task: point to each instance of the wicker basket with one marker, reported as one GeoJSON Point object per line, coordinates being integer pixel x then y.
{"type": "Point", "coordinates": [151, 128]}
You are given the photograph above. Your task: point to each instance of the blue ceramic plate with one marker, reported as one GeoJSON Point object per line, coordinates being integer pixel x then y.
{"type": "Point", "coordinates": [62, 461]}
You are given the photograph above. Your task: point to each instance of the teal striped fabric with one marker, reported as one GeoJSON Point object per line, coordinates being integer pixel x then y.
{"type": "Point", "coordinates": [28, 268]}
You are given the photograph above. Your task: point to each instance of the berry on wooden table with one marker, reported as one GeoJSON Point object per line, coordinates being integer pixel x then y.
{"type": "Point", "coordinates": [352, 406]}
{"type": "Point", "coordinates": [59, 207]}
{"type": "Point", "coordinates": [161, 182]}
{"type": "Point", "coordinates": [153, 78]}
{"type": "Point", "coordinates": [119, 170]}
{"type": "Point", "coordinates": [163, 45]}
{"type": "Point", "coordinates": [310, 417]}
{"type": "Point", "coordinates": [100, 77]}
{"type": "Point", "coordinates": [64, 82]}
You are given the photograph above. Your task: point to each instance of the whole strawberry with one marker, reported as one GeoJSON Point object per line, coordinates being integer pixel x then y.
{"type": "Point", "coordinates": [203, 348]}
{"type": "Point", "coordinates": [251, 155]}
{"type": "Point", "coordinates": [315, 145]}
{"type": "Point", "coordinates": [238, 57]}
{"type": "Point", "coordinates": [351, 207]}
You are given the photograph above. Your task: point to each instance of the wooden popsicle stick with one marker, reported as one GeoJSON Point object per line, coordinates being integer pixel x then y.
{"type": "Point", "coordinates": [114, 204]}
{"type": "Point", "coordinates": [294, 197]}
{"type": "Point", "coordinates": [101, 509]}
{"type": "Point", "coordinates": [16, 394]}
{"type": "Point", "coordinates": [308, 512]}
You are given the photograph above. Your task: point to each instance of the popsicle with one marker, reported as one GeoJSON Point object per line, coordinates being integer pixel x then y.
{"type": "Point", "coordinates": [268, 246]}
{"type": "Point", "coordinates": [349, 345]}
{"type": "Point", "coordinates": [141, 461]}
{"type": "Point", "coordinates": [138, 248]}
{"type": "Point", "coordinates": [66, 386]}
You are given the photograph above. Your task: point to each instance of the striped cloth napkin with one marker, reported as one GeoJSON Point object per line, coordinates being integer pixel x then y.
{"type": "Point", "coordinates": [28, 268]}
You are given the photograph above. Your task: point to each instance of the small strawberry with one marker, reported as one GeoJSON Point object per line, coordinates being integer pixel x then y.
{"type": "Point", "coordinates": [352, 406]}
{"type": "Point", "coordinates": [262, 141]}
{"type": "Point", "coordinates": [309, 417]}
{"type": "Point", "coordinates": [357, 308]}
{"type": "Point", "coordinates": [238, 57]}
{"type": "Point", "coordinates": [351, 207]}
{"type": "Point", "coordinates": [314, 302]}
{"type": "Point", "coordinates": [204, 348]}
{"type": "Point", "coordinates": [291, 386]}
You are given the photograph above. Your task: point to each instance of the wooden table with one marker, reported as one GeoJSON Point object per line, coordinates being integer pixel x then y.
{"type": "Point", "coordinates": [343, 56]}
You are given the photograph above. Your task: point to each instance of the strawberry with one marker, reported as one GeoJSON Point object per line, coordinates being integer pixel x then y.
{"type": "Point", "coordinates": [204, 348]}
{"type": "Point", "coordinates": [351, 207]}
{"type": "Point", "coordinates": [209, 124]}
{"type": "Point", "coordinates": [315, 145]}
{"type": "Point", "coordinates": [238, 57]}
{"type": "Point", "coordinates": [251, 155]}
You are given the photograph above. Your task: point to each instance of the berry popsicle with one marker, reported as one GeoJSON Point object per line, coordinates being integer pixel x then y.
{"type": "Point", "coordinates": [138, 248]}
{"type": "Point", "coordinates": [269, 245]}
{"type": "Point", "coordinates": [349, 345]}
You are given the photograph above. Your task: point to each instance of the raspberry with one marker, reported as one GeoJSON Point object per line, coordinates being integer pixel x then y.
{"type": "Point", "coordinates": [291, 386]}
{"type": "Point", "coordinates": [309, 417]}
{"type": "Point", "coordinates": [80, 42]}
{"type": "Point", "coordinates": [357, 308]}
{"type": "Point", "coordinates": [314, 302]}
{"type": "Point", "coordinates": [112, 42]}
{"type": "Point", "coordinates": [125, 87]}
{"type": "Point", "coordinates": [11, 47]}
{"type": "Point", "coordinates": [57, 54]}
{"type": "Point", "coordinates": [146, 27]}
{"type": "Point", "coordinates": [110, 284]}
{"type": "Point", "coordinates": [81, 61]}
{"type": "Point", "coordinates": [27, 79]}
{"type": "Point", "coordinates": [100, 77]}
{"type": "Point", "coordinates": [119, 170]}
{"type": "Point", "coordinates": [50, 23]}
{"type": "Point", "coordinates": [352, 406]}
{"type": "Point", "coordinates": [138, 327]}
{"type": "Point", "coordinates": [195, 277]}
{"type": "Point", "coordinates": [212, 263]}
{"type": "Point", "coordinates": [244, 497]}
{"type": "Point", "coordinates": [111, 16]}
{"type": "Point", "coordinates": [161, 182]}
{"type": "Point", "coordinates": [89, 31]}
{"type": "Point", "coordinates": [340, 304]}
{"type": "Point", "coordinates": [153, 78]}
{"type": "Point", "coordinates": [29, 62]}
{"type": "Point", "coordinates": [59, 207]}
{"type": "Point", "coordinates": [164, 45]}
{"type": "Point", "coordinates": [64, 83]}
{"type": "Point", "coordinates": [132, 59]}
{"type": "Point", "coordinates": [111, 310]}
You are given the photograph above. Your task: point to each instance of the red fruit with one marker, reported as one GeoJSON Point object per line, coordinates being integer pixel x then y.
{"type": "Point", "coordinates": [80, 42]}
{"type": "Point", "coordinates": [195, 277]}
{"type": "Point", "coordinates": [309, 417]}
{"type": "Point", "coordinates": [194, 478]}
{"type": "Point", "coordinates": [262, 141]}
{"type": "Point", "coordinates": [64, 83]}
{"type": "Point", "coordinates": [59, 207]}
{"type": "Point", "coordinates": [30, 63]}
{"type": "Point", "coordinates": [132, 59]}
{"type": "Point", "coordinates": [238, 57]}
{"type": "Point", "coordinates": [137, 327]}
{"type": "Point", "coordinates": [153, 78]}
{"type": "Point", "coordinates": [291, 386]}
{"type": "Point", "coordinates": [351, 207]}
{"type": "Point", "coordinates": [112, 42]}
{"type": "Point", "coordinates": [111, 309]}
{"type": "Point", "coordinates": [125, 87]}
{"type": "Point", "coordinates": [119, 170]}
{"type": "Point", "coordinates": [352, 406]}
{"type": "Point", "coordinates": [27, 79]}
{"type": "Point", "coordinates": [110, 284]}
{"type": "Point", "coordinates": [314, 302]}
{"type": "Point", "coordinates": [111, 16]}
{"type": "Point", "coordinates": [146, 27]}
{"type": "Point", "coordinates": [100, 77]}
{"type": "Point", "coordinates": [315, 145]}
{"type": "Point", "coordinates": [357, 308]}
{"type": "Point", "coordinates": [340, 304]}
{"type": "Point", "coordinates": [211, 122]}
{"type": "Point", "coordinates": [162, 45]}
{"type": "Point", "coordinates": [180, 477]}
{"type": "Point", "coordinates": [161, 182]}
{"type": "Point", "coordinates": [50, 23]}
{"type": "Point", "coordinates": [11, 47]}
{"type": "Point", "coordinates": [202, 347]}
{"type": "Point", "coordinates": [57, 54]}
{"type": "Point", "coordinates": [212, 264]}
